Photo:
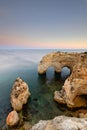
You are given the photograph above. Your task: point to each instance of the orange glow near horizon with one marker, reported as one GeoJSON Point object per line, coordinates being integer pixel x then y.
{"type": "Point", "coordinates": [43, 24]}
{"type": "Point", "coordinates": [10, 40]}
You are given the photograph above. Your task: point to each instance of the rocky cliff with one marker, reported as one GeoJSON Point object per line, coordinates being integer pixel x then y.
{"type": "Point", "coordinates": [74, 90]}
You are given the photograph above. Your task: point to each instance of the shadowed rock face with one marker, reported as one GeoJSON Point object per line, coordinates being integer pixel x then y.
{"type": "Point", "coordinates": [75, 85]}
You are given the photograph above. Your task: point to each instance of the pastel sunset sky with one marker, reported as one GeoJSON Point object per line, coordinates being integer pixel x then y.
{"type": "Point", "coordinates": [43, 24]}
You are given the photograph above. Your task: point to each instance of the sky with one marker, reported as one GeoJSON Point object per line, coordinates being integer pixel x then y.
{"type": "Point", "coordinates": [43, 24]}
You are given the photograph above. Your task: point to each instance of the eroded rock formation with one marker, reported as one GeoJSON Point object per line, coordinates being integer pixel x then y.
{"type": "Point", "coordinates": [62, 123]}
{"type": "Point", "coordinates": [58, 60]}
{"type": "Point", "coordinates": [75, 87]}
{"type": "Point", "coordinates": [20, 94]}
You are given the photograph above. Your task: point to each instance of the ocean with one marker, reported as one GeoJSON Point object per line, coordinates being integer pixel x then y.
{"type": "Point", "coordinates": [23, 63]}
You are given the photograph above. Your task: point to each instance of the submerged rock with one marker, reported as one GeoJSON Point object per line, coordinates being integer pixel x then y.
{"type": "Point", "coordinates": [12, 119]}
{"type": "Point", "coordinates": [20, 94]}
{"type": "Point", "coordinates": [62, 123]}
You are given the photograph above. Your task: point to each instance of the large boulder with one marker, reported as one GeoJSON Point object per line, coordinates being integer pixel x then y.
{"type": "Point", "coordinates": [62, 123]}
{"type": "Point", "coordinates": [12, 119]}
{"type": "Point", "coordinates": [20, 94]}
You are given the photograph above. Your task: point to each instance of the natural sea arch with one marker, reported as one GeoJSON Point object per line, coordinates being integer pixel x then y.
{"type": "Point", "coordinates": [51, 73]}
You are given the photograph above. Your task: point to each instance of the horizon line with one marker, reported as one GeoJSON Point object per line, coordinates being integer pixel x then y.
{"type": "Point", "coordinates": [6, 48]}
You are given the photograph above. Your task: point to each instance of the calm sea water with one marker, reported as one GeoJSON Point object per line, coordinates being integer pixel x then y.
{"type": "Point", "coordinates": [23, 63]}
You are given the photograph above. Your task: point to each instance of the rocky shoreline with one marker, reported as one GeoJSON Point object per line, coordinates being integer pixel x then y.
{"type": "Point", "coordinates": [75, 87]}
{"type": "Point", "coordinates": [73, 94]}
{"type": "Point", "coordinates": [62, 123]}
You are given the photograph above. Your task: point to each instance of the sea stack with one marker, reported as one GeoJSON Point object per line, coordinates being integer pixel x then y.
{"type": "Point", "coordinates": [20, 94]}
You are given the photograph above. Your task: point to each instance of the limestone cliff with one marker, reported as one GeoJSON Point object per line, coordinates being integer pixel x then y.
{"type": "Point", "coordinates": [75, 87]}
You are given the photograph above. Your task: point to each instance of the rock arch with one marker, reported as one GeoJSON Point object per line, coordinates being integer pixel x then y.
{"type": "Point", "coordinates": [76, 84]}
{"type": "Point", "coordinates": [58, 60]}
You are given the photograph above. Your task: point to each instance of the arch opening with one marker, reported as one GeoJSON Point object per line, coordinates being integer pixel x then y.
{"type": "Point", "coordinates": [65, 72]}
{"type": "Point", "coordinates": [50, 73]}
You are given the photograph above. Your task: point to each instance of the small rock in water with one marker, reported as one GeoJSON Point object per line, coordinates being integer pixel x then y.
{"type": "Point", "coordinates": [20, 94]}
{"type": "Point", "coordinates": [12, 119]}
